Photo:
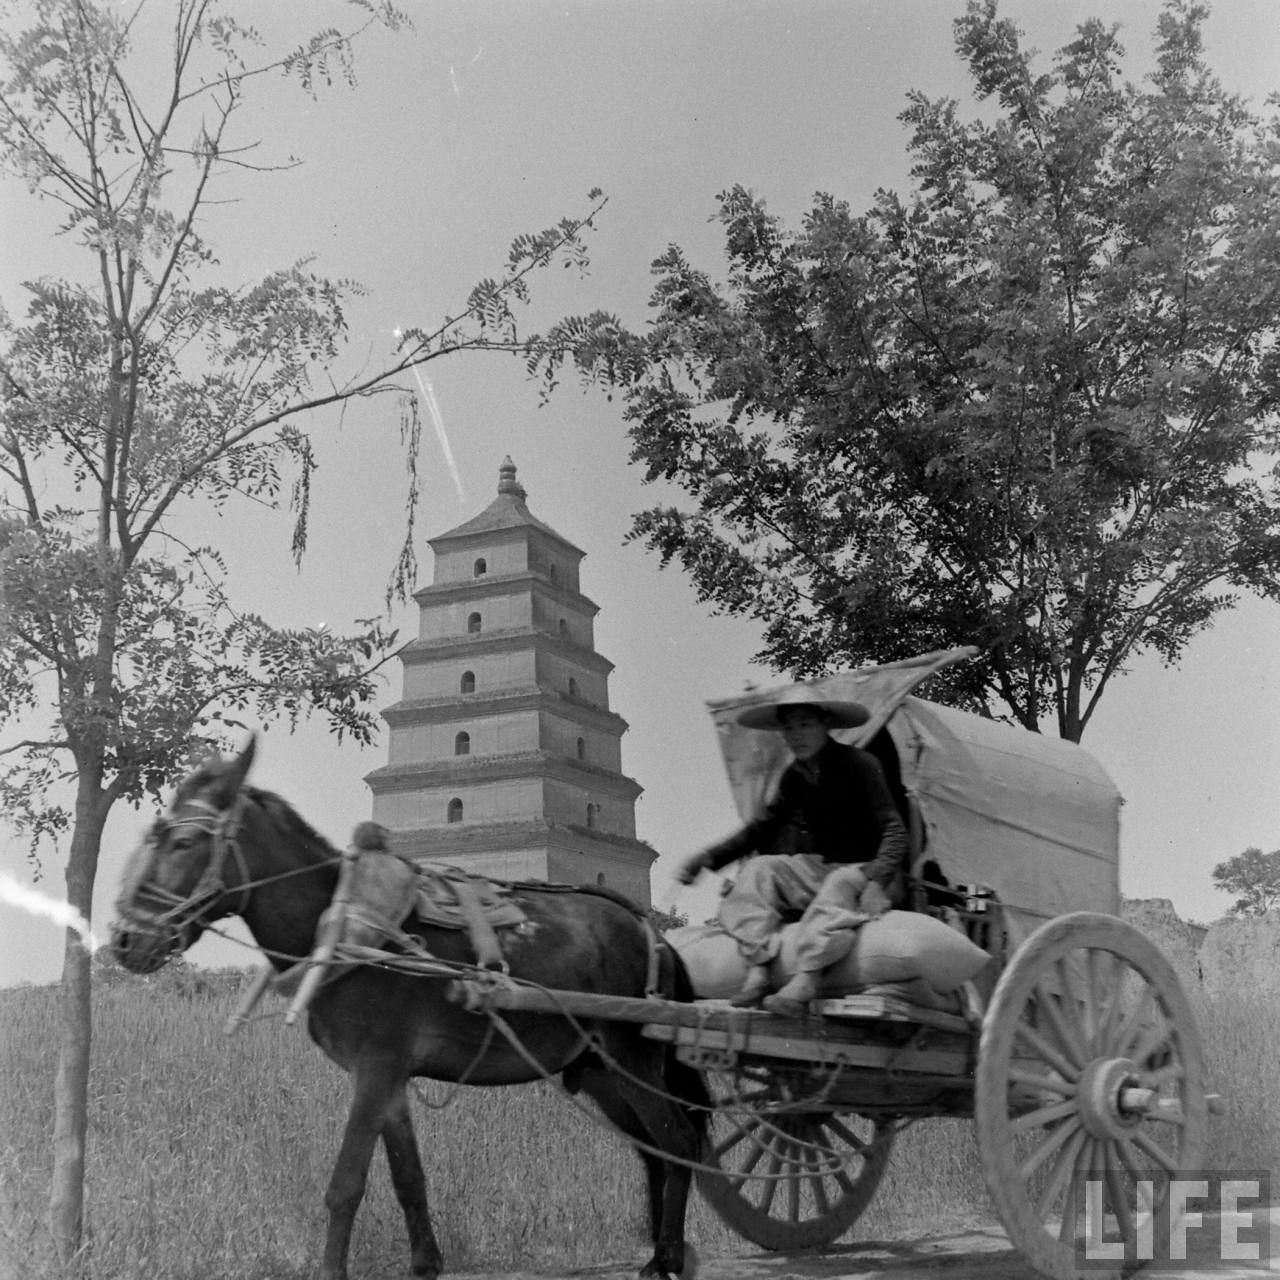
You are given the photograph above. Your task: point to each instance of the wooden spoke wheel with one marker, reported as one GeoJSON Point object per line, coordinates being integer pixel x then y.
{"type": "Point", "coordinates": [789, 1178]}
{"type": "Point", "coordinates": [1089, 1094]}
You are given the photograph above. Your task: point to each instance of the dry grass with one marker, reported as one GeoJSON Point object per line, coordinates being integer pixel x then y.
{"type": "Point", "coordinates": [208, 1155]}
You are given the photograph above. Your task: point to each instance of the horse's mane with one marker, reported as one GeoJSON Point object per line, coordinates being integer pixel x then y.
{"type": "Point", "coordinates": [283, 814]}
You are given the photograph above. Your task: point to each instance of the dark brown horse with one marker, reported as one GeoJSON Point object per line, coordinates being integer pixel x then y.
{"type": "Point", "coordinates": [226, 848]}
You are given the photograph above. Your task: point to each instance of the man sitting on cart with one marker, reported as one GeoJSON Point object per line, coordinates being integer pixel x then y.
{"type": "Point", "coordinates": [830, 843]}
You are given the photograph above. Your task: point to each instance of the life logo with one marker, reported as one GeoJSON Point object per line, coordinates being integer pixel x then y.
{"type": "Point", "coordinates": [1214, 1218]}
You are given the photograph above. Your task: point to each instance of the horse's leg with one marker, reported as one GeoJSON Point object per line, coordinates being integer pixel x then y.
{"type": "Point", "coordinates": [649, 1115]}
{"type": "Point", "coordinates": [372, 1091]}
{"type": "Point", "coordinates": [411, 1185]}
{"type": "Point", "coordinates": [618, 1111]}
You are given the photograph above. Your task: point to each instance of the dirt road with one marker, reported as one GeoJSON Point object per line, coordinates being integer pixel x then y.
{"type": "Point", "coordinates": [971, 1254]}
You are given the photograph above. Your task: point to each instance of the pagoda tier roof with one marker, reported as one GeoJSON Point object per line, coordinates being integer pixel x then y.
{"type": "Point", "coordinates": [445, 709]}
{"type": "Point", "coordinates": [507, 640]}
{"type": "Point", "coordinates": [461, 839]}
{"type": "Point", "coordinates": [524, 765]}
{"type": "Point", "coordinates": [509, 510]}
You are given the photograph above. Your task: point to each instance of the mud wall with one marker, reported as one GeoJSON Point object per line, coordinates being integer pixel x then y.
{"type": "Point", "coordinates": [1232, 954]}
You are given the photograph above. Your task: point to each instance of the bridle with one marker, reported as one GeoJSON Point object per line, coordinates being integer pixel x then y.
{"type": "Point", "coordinates": [222, 826]}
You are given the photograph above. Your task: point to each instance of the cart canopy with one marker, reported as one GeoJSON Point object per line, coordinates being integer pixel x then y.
{"type": "Point", "coordinates": [1034, 819]}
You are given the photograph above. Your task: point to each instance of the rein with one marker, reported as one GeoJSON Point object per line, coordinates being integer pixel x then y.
{"type": "Point", "coordinates": [223, 829]}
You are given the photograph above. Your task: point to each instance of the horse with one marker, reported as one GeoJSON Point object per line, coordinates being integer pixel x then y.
{"type": "Point", "coordinates": [224, 848]}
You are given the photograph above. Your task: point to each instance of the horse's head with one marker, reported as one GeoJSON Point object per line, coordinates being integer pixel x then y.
{"type": "Point", "coordinates": [175, 882]}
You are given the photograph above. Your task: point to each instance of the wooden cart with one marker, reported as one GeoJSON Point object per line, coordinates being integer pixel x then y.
{"type": "Point", "coordinates": [1075, 1052]}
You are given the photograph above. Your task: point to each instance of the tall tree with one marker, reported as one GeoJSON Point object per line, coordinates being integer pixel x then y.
{"type": "Point", "coordinates": [1255, 877]}
{"type": "Point", "coordinates": [146, 386]}
{"type": "Point", "coordinates": [1030, 406]}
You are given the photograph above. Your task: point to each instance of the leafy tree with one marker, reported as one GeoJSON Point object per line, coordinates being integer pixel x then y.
{"type": "Point", "coordinates": [143, 388]}
{"type": "Point", "coordinates": [1029, 406]}
{"type": "Point", "coordinates": [1255, 876]}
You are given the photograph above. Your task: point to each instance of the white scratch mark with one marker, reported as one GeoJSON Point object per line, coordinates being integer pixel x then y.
{"type": "Point", "coordinates": [437, 419]}
{"type": "Point", "coordinates": [39, 904]}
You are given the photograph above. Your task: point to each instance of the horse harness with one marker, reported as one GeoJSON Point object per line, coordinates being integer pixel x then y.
{"type": "Point", "coordinates": [221, 826]}
{"type": "Point", "coordinates": [445, 896]}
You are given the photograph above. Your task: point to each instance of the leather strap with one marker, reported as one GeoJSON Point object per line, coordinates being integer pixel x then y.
{"type": "Point", "coordinates": [483, 938]}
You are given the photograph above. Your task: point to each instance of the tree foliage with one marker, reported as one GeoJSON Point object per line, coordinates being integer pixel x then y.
{"type": "Point", "coordinates": [1255, 877]}
{"type": "Point", "coordinates": [147, 386]}
{"type": "Point", "coordinates": [1030, 406]}
{"type": "Point", "coordinates": [144, 387]}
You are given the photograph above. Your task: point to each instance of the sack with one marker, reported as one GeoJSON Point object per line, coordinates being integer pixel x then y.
{"type": "Point", "coordinates": [380, 897]}
{"type": "Point", "coordinates": [898, 946]}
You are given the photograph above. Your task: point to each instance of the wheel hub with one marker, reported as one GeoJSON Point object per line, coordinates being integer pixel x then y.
{"type": "Point", "coordinates": [1110, 1099]}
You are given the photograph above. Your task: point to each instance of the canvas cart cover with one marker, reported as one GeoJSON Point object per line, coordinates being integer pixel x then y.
{"type": "Point", "coordinates": [1034, 818]}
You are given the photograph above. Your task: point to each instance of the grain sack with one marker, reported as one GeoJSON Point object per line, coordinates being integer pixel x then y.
{"type": "Point", "coordinates": [381, 896]}
{"type": "Point", "coordinates": [899, 946]}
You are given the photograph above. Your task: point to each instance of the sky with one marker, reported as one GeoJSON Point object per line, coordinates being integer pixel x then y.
{"type": "Point", "coordinates": [496, 117]}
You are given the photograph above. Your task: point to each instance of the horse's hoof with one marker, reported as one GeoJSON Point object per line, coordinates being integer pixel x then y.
{"type": "Point", "coordinates": [686, 1269]}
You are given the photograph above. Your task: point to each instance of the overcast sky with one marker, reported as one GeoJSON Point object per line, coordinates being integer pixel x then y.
{"type": "Point", "coordinates": [492, 119]}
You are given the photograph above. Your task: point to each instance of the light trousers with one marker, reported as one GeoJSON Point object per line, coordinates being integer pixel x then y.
{"type": "Point", "coordinates": [770, 885]}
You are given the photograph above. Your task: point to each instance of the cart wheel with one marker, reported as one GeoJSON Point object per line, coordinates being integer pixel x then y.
{"type": "Point", "coordinates": [1089, 1094]}
{"type": "Point", "coordinates": [790, 1179]}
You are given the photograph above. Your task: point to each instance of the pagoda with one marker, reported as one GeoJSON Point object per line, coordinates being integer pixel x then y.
{"type": "Point", "coordinates": [505, 758]}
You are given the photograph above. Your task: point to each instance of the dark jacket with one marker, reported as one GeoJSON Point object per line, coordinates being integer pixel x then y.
{"type": "Point", "coordinates": [844, 814]}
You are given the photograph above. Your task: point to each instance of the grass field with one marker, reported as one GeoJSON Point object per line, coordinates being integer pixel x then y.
{"type": "Point", "coordinates": [208, 1155]}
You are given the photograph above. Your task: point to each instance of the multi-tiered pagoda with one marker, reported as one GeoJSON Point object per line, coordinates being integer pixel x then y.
{"type": "Point", "coordinates": [504, 757]}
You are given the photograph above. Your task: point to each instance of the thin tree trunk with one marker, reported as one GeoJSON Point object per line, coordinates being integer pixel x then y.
{"type": "Point", "coordinates": [75, 1033]}
{"type": "Point", "coordinates": [71, 1105]}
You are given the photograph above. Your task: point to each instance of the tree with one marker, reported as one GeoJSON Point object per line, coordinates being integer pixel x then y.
{"type": "Point", "coordinates": [143, 389]}
{"type": "Point", "coordinates": [1255, 876]}
{"type": "Point", "coordinates": [1031, 406]}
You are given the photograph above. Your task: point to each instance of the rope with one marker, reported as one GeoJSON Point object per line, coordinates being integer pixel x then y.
{"type": "Point", "coordinates": [596, 1046]}
{"type": "Point", "coordinates": [835, 1165]}
{"type": "Point", "coordinates": [825, 1160]}
{"type": "Point", "coordinates": [456, 1088]}
{"type": "Point", "coordinates": [417, 961]}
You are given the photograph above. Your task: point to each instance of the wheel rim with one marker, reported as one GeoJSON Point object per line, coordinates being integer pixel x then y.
{"type": "Point", "coordinates": [790, 1178]}
{"type": "Point", "coordinates": [1090, 1087]}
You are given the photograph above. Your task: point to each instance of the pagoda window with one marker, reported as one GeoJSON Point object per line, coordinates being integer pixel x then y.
{"type": "Point", "coordinates": [480, 568]}
{"type": "Point", "coordinates": [592, 810]}
{"type": "Point", "coordinates": [551, 572]}
{"type": "Point", "coordinates": [582, 749]}
{"type": "Point", "coordinates": [564, 627]}
{"type": "Point", "coordinates": [600, 878]}
{"type": "Point", "coordinates": [462, 744]}
{"type": "Point", "coordinates": [473, 623]}
{"type": "Point", "coordinates": [573, 687]}
{"type": "Point", "coordinates": [455, 810]}
{"type": "Point", "coordinates": [468, 684]}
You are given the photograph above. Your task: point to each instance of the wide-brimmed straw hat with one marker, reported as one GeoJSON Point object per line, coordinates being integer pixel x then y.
{"type": "Point", "coordinates": [840, 714]}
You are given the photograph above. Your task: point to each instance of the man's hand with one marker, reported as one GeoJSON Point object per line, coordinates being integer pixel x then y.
{"type": "Point", "coordinates": [689, 870]}
{"type": "Point", "coordinates": [874, 901]}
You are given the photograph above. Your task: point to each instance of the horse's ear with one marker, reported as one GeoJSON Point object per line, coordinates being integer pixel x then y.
{"type": "Point", "coordinates": [240, 765]}
{"type": "Point", "coordinates": [235, 773]}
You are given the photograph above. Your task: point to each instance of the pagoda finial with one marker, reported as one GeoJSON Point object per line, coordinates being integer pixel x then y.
{"type": "Point", "coordinates": [507, 482]}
